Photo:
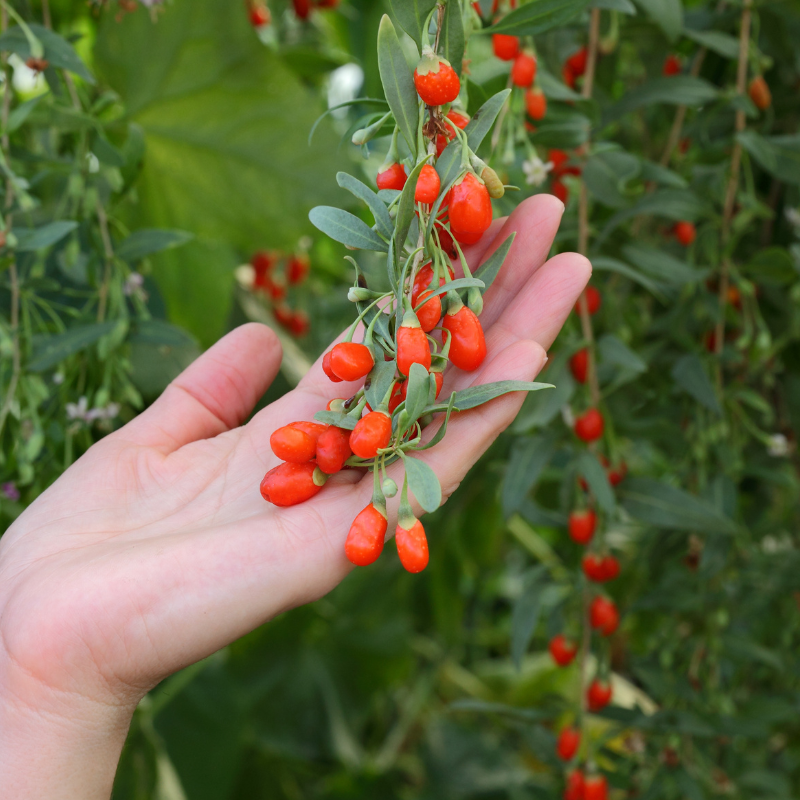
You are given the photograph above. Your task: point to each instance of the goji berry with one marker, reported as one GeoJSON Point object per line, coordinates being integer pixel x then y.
{"type": "Point", "coordinates": [259, 15]}
{"type": "Point", "coordinates": [290, 443]}
{"type": "Point", "coordinates": [562, 650]}
{"type": "Point", "coordinates": [262, 263]}
{"type": "Point", "coordinates": [392, 177]}
{"type": "Point", "coordinates": [569, 740]}
{"type": "Point", "coordinates": [351, 361]}
{"type": "Point", "coordinates": [436, 81]}
{"type": "Point", "coordinates": [465, 335]}
{"type": "Point", "coordinates": [596, 788]}
{"type": "Point", "coordinates": [593, 567]}
{"type": "Point", "coordinates": [328, 369]}
{"type": "Point", "coordinates": [439, 378]}
{"type": "Point", "coordinates": [603, 615]}
{"type": "Point", "coordinates": [759, 93]}
{"type": "Point", "coordinates": [535, 103]}
{"type": "Point", "coordinates": [372, 433]}
{"type": "Point", "coordinates": [598, 695]}
{"type": "Point", "coordinates": [299, 323]}
{"type": "Point", "coordinates": [685, 232]}
{"type": "Point", "coordinates": [365, 540]}
{"type": "Point", "coordinates": [284, 315]}
{"type": "Point", "coordinates": [593, 300]}
{"type": "Point", "coordinates": [302, 8]}
{"type": "Point", "coordinates": [397, 396]}
{"type": "Point", "coordinates": [581, 526]}
{"type": "Point", "coordinates": [469, 209]}
{"type": "Point", "coordinates": [560, 190]}
{"type": "Point", "coordinates": [579, 365]}
{"type": "Point", "coordinates": [672, 66]}
{"type": "Point", "coordinates": [428, 185]}
{"type": "Point", "coordinates": [289, 484]}
{"type": "Point", "coordinates": [505, 47]}
{"type": "Point", "coordinates": [443, 139]}
{"type": "Point", "coordinates": [274, 288]}
{"type": "Point", "coordinates": [577, 61]}
{"type": "Point", "coordinates": [575, 786]}
{"type": "Point", "coordinates": [298, 268]}
{"type": "Point", "coordinates": [610, 567]}
{"type": "Point", "coordinates": [589, 426]}
{"type": "Point", "coordinates": [523, 70]}
{"type": "Point", "coordinates": [558, 158]}
{"type": "Point", "coordinates": [313, 429]}
{"type": "Point", "coordinates": [333, 449]}
{"type": "Point", "coordinates": [412, 345]}
{"type": "Point", "coordinates": [412, 546]}
{"type": "Point", "coordinates": [445, 240]}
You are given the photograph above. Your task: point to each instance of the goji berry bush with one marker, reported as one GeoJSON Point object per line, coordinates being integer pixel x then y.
{"type": "Point", "coordinates": [608, 606]}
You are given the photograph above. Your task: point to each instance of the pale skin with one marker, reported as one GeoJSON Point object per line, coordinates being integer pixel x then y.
{"type": "Point", "coordinates": [155, 549]}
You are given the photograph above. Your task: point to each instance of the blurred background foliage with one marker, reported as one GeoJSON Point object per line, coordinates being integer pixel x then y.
{"type": "Point", "coordinates": [439, 686]}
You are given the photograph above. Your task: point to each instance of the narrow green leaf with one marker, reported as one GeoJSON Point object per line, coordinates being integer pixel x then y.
{"type": "Point", "coordinates": [538, 17]}
{"type": "Point", "coordinates": [51, 350]}
{"type": "Point", "coordinates": [615, 351]}
{"type": "Point", "coordinates": [161, 332]}
{"type": "Point", "coordinates": [667, 14]}
{"type": "Point", "coordinates": [529, 456]}
{"type": "Point", "coordinates": [526, 613]}
{"type": "Point", "coordinates": [18, 116]}
{"type": "Point", "coordinates": [417, 392]}
{"type": "Point", "coordinates": [554, 89]}
{"type": "Point", "coordinates": [443, 428]}
{"type": "Point", "coordinates": [344, 227]}
{"type": "Point", "coordinates": [30, 239]}
{"type": "Point", "coordinates": [592, 470]}
{"type": "Point", "coordinates": [488, 271]}
{"type": "Point", "coordinates": [690, 374]}
{"type": "Point", "coordinates": [379, 379]}
{"type": "Point", "coordinates": [658, 174]}
{"type": "Point", "coordinates": [721, 43]}
{"type": "Point", "coordinates": [458, 283]}
{"type": "Point", "coordinates": [334, 418]}
{"type": "Point", "coordinates": [147, 241]}
{"type": "Point", "coordinates": [451, 41]}
{"type": "Point", "coordinates": [623, 6]}
{"type": "Point", "coordinates": [369, 101]}
{"type": "Point", "coordinates": [778, 155]}
{"type": "Point", "coordinates": [398, 83]}
{"type": "Point", "coordinates": [411, 14]}
{"type": "Point", "coordinates": [374, 203]}
{"type": "Point", "coordinates": [607, 174]}
{"type": "Point", "coordinates": [662, 266]}
{"type": "Point", "coordinates": [677, 90]}
{"type": "Point", "coordinates": [605, 264]}
{"type": "Point", "coordinates": [478, 395]}
{"type": "Point", "coordinates": [57, 50]}
{"type": "Point", "coordinates": [423, 483]}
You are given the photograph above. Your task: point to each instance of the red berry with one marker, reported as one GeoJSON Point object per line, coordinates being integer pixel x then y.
{"type": "Point", "coordinates": [610, 567]}
{"type": "Point", "coordinates": [577, 62]}
{"type": "Point", "coordinates": [523, 70]}
{"type": "Point", "coordinates": [442, 140]}
{"type": "Point", "coordinates": [393, 177]}
{"type": "Point", "coordinates": [589, 426]}
{"type": "Point", "coordinates": [445, 240]}
{"type": "Point", "coordinates": [428, 185]}
{"type": "Point", "coordinates": [298, 268]}
{"type": "Point", "coordinates": [313, 429]}
{"type": "Point", "coordinates": [372, 433]}
{"type": "Point", "coordinates": [412, 546]}
{"type": "Point", "coordinates": [412, 348]}
{"type": "Point", "coordinates": [302, 8]}
{"type": "Point", "coordinates": [262, 263]}
{"type": "Point", "coordinates": [468, 345]}
{"type": "Point", "coordinates": [430, 313]}
{"type": "Point", "coordinates": [759, 93]}
{"type": "Point", "coordinates": [575, 786]}
{"type": "Point", "coordinates": [560, 191]}
{"type": "Point", "coordinates": [397, 396]}
{"type": "Point", "coordinates": [351, 361]}
{"type": "Point", "coordinates": [289, 484]}
{"type": "Point", "coordinates": [672, 66]}
{"type": "Point", "coordinates": [284, 315]}
{"type": "Point", "coordinates": [439, 378]}
{"type": "Point", "coordinates": [617, 474]}
{"type": "Point", "coordinates": [328, 369]}
{"type": "Point", "coordinates": [535, 103]}
{"type": "Point", "coordinates": [436, 81]}
{"type": "Point", "coordinates": [685, 232]}
{"type": "Point", "coordinates": [569, 740]}
{"type": "Point", "coordinates": [365, 539]}
{"type": "Point", "coordinates": [259, 16]}
{"type": "Point", "coordinates": [596, 788]}
{"type": "Point", "coordinates": [505, 47]}
{"type": "Point", "coordinates": [603, 615]}
{"type": "Point", "coordinates": [598, 695]}
{"type": "Point", "coordinates": [593, 567]}
{"type": "Point", "coordinates": [276, 290]}
{"type": "Point", "coordinates": [581, 526]}
{"type": "Point", "coordinates": [593, 300]}
{"type": "Point", "coordinates": [469, 209]}
{"type": "Point", "coordinates": [558, 158]}
{"type": "Point", "coordinates": [290, 443]}
{"type": "Point", "coordinates": [299, 323]}
{"type": "Point", "coordinates": [579, 365]}
{"type": "Point", "coordinates": [563, 650]}
{"type": "Point", "coordinates": [333, 449]}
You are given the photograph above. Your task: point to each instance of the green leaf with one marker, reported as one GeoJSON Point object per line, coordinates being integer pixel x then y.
{"type": "Point", "coordinates": [398, 83]}
{"type": "Point", "coordinates": [150, 240]}
{"type": "Point", "coordinates": [405, 208]}
{"type": "Point", "coordinates": [667, 14]}
{"type": "Point", "coordinates": [412, 14]}
{"type": "Point", "coordinates": [592, 470]}
{"type": "Point", "coordinates": [605, 264]}
{"type": "Point", "coordinates": [380, 379]}
{"type": "Point", "coordinates": [488, 271]}
{"type": "Point", "coordinates": [57, 50]}
{"type": "Point", "coordinates": [690, 374]}
{"type": "Point", "coordinates": [18, 116]}
{"type": "Point", "coordinates": [51, 350]}
{"type": "Point", "coordinates": [451, 41]}
{"type": "Point", "coordinates": [658, 174]}
{"type": "Point", "coordinates": [335, 418]}
{"type": "Point", "coordinates": [423, 483]}
{"type": "Point", "coordinates": [623, 6]}
{"type": "Point", "coordinates": [478, 395]}
{"type": "Point", "coordinates": [677, 90]}
{"type": "Point", "coordinates": [344, 227]}
{"type": "Point", "coordinates": [721, 43]}
{"type": "Point", "coordinates": [538, 17]}
{"type": "Point", "coordinates": [161, 332]}
{"type": "Point", "coordinates": [374, 203]}
{"type": "Point", "coordinates": [563, 127]}
{"type": "Point", "coordinates": [458, 283]}
{"type": "Point", "coordinates": [778, 155]}
{"type": "Point", "coordinates": [529, 456]}
{"type": "Point", "coordinates": [526, 613]}
{"type": "Point", "coordinates": [554, 89]}
{"type": "Point", "coordinates": [615, 351]}
{"type": "Point", "coordinates": [30, 239]}
{"type": "Point", "coordinates": [607, 174]}
{"type": "Point", "coordinates": [417, 392]}
{"type": "Point", "coordinates": [661, 265]}
{"type": "Point", "coordinates": [666, 506]}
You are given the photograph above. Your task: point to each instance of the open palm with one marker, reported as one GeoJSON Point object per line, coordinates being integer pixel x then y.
{"type": "Point", "coordinates": [156, 549]}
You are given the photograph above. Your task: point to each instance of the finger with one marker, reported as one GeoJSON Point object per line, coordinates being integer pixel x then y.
{"type": "Point", "coordinates": [215, 393]}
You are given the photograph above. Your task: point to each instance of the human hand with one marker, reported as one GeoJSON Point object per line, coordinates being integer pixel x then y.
{"type": "Point", "coordinates": [155, 549]}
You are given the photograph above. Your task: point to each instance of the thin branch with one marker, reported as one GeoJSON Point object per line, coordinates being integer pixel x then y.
{"type": "Point", "coordinates": [108, 252]}
{"type": "Point", "coordinates": [680, 115]}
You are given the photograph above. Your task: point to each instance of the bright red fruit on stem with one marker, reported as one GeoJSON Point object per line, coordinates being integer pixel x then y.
{"type": "Point", "coordinates": [291, 444]}
{"type": "Point", "coordinates": [505, 47]}
{"type": "Point", "coordinates": [523, 70]}
{"type": "Point", "coordinates": [392, 176]}
{"type": "Point", "coordinates": [439, 378]}
{"type": "Point", "coordinates": [259, 15]}
{"type": "Point", "coordinates": [589, 426]}
{"type": "Point", "coordinates": [562, 650]}
{"type": "Point", "coordinates": [593, 300]}
{"type": "Point", "coordinates": [759, 93]}
{"type": "Point", "coordinates": [428, 185]}
{"type": "Point", "coordinates": [298, 268]}
{"type": "Point", "coordinates": [333, 449]}
{"type": "Point", "coordinates": [603, 615]}
{"type": "Point", "coordinates": [302, 8]}
{"type": "Point", "coordinates": [535, 103]}
{"type": "Point", "coordinates": [467, 343]}
{"type": "Point", "coordinates": [290, 484]}
{"type": "Point", "coordinates": [436, 81]}
{"type": "Point", "coordinates": [433, 308]}
{"type": "Point", "coordinates": [412, 546]}
{"type": "Point", "coordinates": [372, 433]}
{"type": "Point", "coordinates": [596, 788]}
{"type": "Point", "coordinates": [469, 209]}
{"type": "Point", "coordinates": [579, 365]}
{"type": "Point", "coordinates": [577, 62]}
{"type": "Point", "coordinates": [672, 66]}
{"type": "Point", "coordinates": [598, 695]}
{"type": "Point", "coordinates": [558, 158]}
{"type": "Point", "coordinates": [328, 370]}
{"type": "Point", "coordinates": [575, 786]}
{"type": "Point", "coordinates": [581, 526]}
{"type": "Point", "coordinates": [560, 191]}
{"type": "Point", "coordinates": [569, 740]}
{"type": "Point", "coordinates": [365, 539]}
{"type": "Point", "coordinates": [594, 567]}
{"type": "Point", "coordinates": [617, 474]}
{"type": "Point", "coordinates": [429, 313]}
{"type": "Point", "coordinates": [412, 345]}
{"type": "Point", "coordinates": [397, 396]}
{"type": "Point", "coordinates": [351, 361]}
{"type": "Point", "coordinates": [685, 232]}
{"type": "Point", "coordinates": [313, 429]}
{"type": "Point", "coordinates": [442, 140]}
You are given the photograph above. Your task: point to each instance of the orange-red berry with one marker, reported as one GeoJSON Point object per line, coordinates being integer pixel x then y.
{"type": "Point", "coordinates": [523, 70]}
{"type": "Point", "coordinates": [562, 650]}
{"type": "Point", "coordinates": [589, 426]}
{"type": "Point", "coordinates": [412, 348]}
{"type": "Point", "coordinates": [575, 786]}
{"type": "Point", "coordinates": [759, 93]}
{"type": "Point", "coordinates": [672, 66]}
{"type": "Point", "coordinates": [467, 342]}
{"type": "Point", "coordinates": [436, 81]}
{"type": "Point", "coordinates": [469, 209]}
{"type": "Point", "coordinates": [685, 232]}
{"type": "Point", "coordinates": [569, 740]}
{"type": "Point", "coordinates": [412, 546]}
{"type": "Point", "coordinates": [577, 61]}
{"type": "Point", "coordinates": [393, 177]}
{"type": "Point", "coordinates": [351, 361]}
{"type": "Point", "coordinates": [428, 185]}
{"type": "Point", "coordinates": [579, 365]}
{"type": "Point", "coordinates": [599, 695]}
{"type": "Point", "coordinates": [290, 443]}
{"type": "Point", "coordinates": [365, 540]}
{"type": "Point", "coordinates": [581, 525]}
{"type": "Point", "coordinates": [593, 300]}
{"type": "Point", "coordinates": [596, 788]}
{"type": "Point", "coordinates": [289, 484]}
{"type": "Point", "coordinates": [535, 103]}
{"type": "Point", "coordinates": [505, 47]}
{"type": "Point", "coordinates": [333, 449]}
{"type": "Point", "coordinates": [372, 433]}
{"type": "Point", "coordinates": [603, 615]}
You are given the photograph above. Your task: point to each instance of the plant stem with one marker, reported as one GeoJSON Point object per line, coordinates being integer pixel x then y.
{"type": "Point", "coordinates": [680, 115]}
{"type": "Point", "coordinates": [108, 252]}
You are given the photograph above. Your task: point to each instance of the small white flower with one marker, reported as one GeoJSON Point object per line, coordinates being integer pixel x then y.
{"type": "Point", "coordinates": [568, 416]}
{"type": "Point", "coordinates": [133, 283]}
{"type": "Point", "coordinates": [77, 410]}
{"type": "Point", "coordinates": [778, 446]}
{"type": "Point", "coordinates": [58, 378]}
{"type": "Point", "coordinates": [245, 276]}
{"type": "Point", "coordinates": [536, 170]}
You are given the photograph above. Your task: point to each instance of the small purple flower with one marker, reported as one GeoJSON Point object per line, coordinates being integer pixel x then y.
{"type": "Point", "coordinates": [10, 491]}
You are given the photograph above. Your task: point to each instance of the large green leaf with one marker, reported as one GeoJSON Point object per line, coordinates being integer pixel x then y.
{"type": "Point", "coordinates": [690, 374]}
{"type": "Point", "coordinates": [451, 42]}
{"type": "Point", "coordinates": [411, 14]}
{"type": "Point", "coordinates": [423, 483]}
{"type": "Point", "coordinates": [30, 239]}
{"type": "Point", "coordinates": [678, 90]}
{"type": "Point", "coordinates": [222, 119]}
{"type": "Point", "coordinates": [538, 17]}
{"type": "Point", "coordinates": [722, 43]}
{"type": "Point", "coordinates": [667, 14]}
{"type": "Point", "coordinates": [779, 155]}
